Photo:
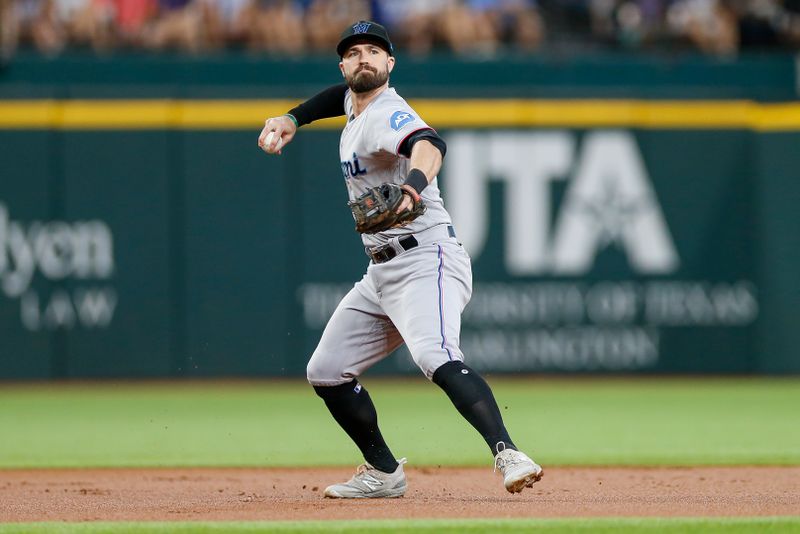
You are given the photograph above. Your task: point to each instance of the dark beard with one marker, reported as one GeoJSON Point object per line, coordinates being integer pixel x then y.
{"type": "Point", "coordinates": [365, 80]}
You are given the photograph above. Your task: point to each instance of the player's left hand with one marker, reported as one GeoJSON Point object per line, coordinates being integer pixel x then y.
{"type": "Point", "coordinates": [410, 199]}
{"type": "Point", "coordinates": [381, 208]}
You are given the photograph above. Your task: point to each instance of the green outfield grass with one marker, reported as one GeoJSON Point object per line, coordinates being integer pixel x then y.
{"type": "Point", "coordinates": [644, 421]}
{"type": "Point", "coordinates": [475, 526]}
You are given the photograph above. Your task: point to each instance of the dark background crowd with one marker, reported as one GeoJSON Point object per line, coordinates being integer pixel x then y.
{"type": "Point", "coordinates": [469, 27]}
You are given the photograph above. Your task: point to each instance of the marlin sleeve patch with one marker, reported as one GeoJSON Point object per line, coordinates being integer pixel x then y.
{"type": "Point", "coordinates": [400, 119]}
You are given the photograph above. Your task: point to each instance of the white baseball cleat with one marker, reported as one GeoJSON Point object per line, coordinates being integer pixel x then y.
{"type": "Point", "coordinates": [519, 471]}
{"type": "Point", "coordinates": [370, 483]}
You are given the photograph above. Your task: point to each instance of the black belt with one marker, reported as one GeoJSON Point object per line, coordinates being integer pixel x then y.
{"type": "Point", "coordinates": [387, 252]}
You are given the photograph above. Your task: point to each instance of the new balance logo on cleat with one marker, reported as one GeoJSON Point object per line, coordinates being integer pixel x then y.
{"type": "Point", "coordinates": [370, 483]}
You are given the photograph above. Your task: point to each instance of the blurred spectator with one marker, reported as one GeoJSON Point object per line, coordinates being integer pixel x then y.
{"type": "Point", "coordinates": [522, 22]}
{"type": "Point", "coordinates": [458, 29]}
{"type": "Point", "coordinates": [87, 22]}
{"type": "Point", "coordinates": [709, 25]}
{"type": "Point", "coordinates": [277, 26]}
{"type": "Point", "coordinates": [790, 23]}
{"type": "Point", "coordinates": [514, 22]}
{"type": "Point", "coordinates": [130, 19]}
{"type": "Point", "coordinates": [7, 29]}
{"type": "Point", "coordinates": [325, 20]}
{"type": "Point", "coordinates": [626, 23]}
{"type": "Point", "coordinates": [35, 22]}
{"type": "Point", "coordinates": [767, 24]}
{"type": "Point", "coordinates": [483, 27]}
{"type": "Point", "coordinates": [227, 21]}
{"type": "Point", "coordinates": [179, 25]}
{"type": "Point", "coordinates": [418, 27]}
{"type": "Point", "coordinates": [413, 24]}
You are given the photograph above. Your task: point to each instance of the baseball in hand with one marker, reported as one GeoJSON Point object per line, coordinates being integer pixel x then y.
{"type": "Point", "coordinates": [268, 140]}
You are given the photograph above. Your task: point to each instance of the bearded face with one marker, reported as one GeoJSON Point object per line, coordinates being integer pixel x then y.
{"type": "Point", "coordinates": [366, 78]}
{"type": "Point", "coordinates": [366, 67]}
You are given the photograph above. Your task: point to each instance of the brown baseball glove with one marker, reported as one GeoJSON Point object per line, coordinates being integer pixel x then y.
{"type": "Point", "coordinates": [375, 210]}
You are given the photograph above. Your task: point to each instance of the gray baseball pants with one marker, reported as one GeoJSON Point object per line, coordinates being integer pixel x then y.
{"type": "Point", "coordinates": [416, 297]}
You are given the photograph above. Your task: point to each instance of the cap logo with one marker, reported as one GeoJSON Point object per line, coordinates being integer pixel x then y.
{"type": "Point", "coordinates": [361, 27]}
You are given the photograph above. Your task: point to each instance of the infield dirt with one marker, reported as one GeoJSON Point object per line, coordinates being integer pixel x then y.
{"type": "Point", "coordinates": [296, 494]}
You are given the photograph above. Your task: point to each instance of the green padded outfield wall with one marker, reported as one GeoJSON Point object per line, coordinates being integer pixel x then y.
{"type": "Point", "coordinates": [143, 234]}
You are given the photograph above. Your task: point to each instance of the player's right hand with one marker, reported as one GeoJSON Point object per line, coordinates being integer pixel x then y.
{"type": "Point", "coordinates": [284, 129]}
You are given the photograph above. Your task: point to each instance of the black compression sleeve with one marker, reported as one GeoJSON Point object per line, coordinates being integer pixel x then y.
{"type": "Point", "coordinates": [328, 103]}
{"type": "Point", "coordinates": [427, 134]}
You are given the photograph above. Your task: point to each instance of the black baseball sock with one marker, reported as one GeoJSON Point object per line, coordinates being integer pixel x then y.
{"type": "Point", "coordinates": [352, 408]}
{"type": "Point", "coordinates": [473, 398]}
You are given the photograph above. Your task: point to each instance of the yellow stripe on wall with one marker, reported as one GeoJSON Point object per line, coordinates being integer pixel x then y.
{"type": "Point", "coordinates": [468, 113]}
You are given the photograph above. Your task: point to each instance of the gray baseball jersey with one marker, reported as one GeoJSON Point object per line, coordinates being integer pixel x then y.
{"type": "Point", "coordinates": [368, 151]}
{"type": "Point", "coordinates": [416, 297]}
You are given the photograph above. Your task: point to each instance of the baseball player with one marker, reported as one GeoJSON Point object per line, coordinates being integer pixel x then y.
{"type": "Point", "coordinates": [419, 277]}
